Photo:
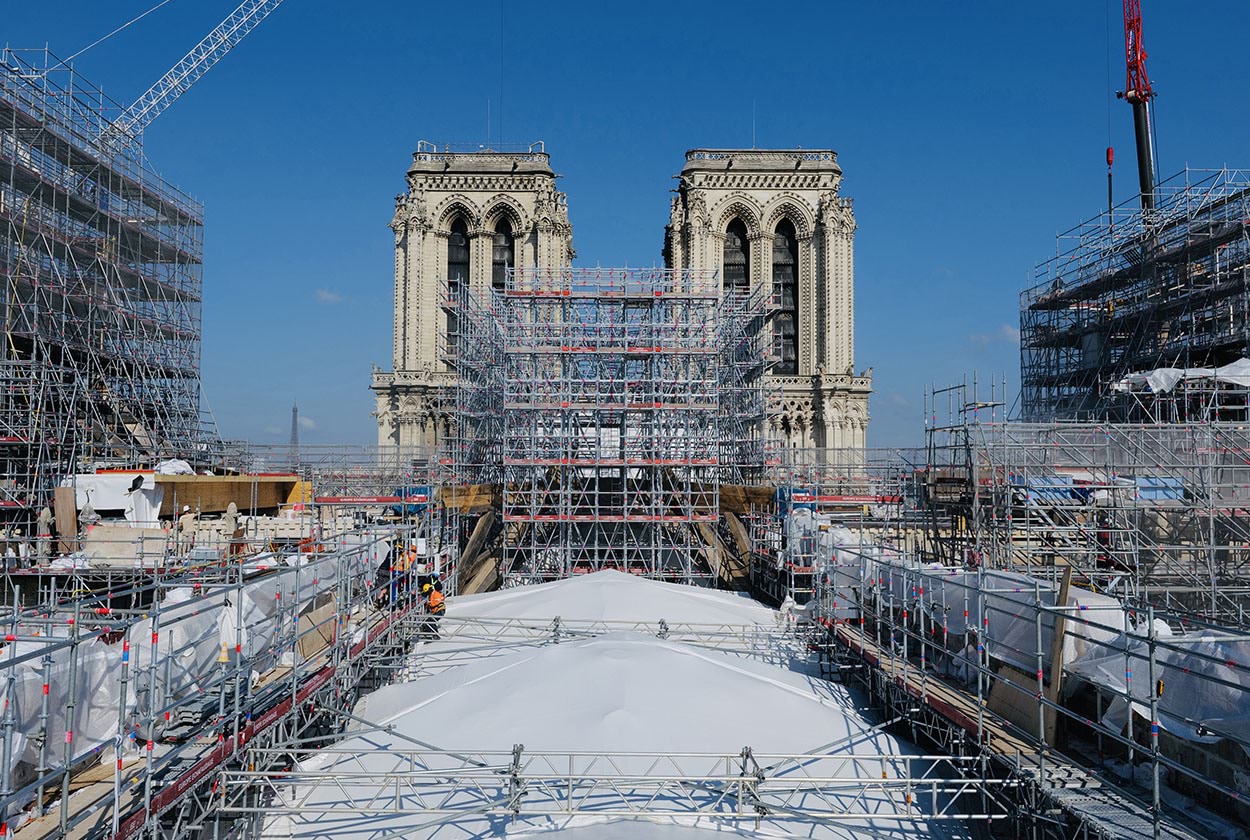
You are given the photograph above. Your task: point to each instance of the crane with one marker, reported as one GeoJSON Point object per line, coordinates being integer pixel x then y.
{"type": "Point", "coordinates": [1138, 93]}
{"type": "Point", "coordinates": [130, 123]}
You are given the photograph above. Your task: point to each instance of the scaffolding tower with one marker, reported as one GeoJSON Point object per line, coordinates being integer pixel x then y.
{"type": "Point", "coordinates": [101, 267]}
{"type": "Point", "coordinates": [1133, 290]}
{"type": "Point", "coordinates": [1153, 513]}
{"type": "Point", "coordinates": [609, 405]}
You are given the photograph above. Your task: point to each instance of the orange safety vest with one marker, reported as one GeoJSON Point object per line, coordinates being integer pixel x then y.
{"type": "Point", "coordinates": [406, 561]}
{"type": "Point", "coordinates": [436, 602]}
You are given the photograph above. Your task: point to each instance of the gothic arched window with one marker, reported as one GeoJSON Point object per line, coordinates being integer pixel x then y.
{"type": "Point", "coordinates": [503, 254]}
{"type": "Point", "coordinates": [457, 277]}
{"type": "Point", "coordinates": [786, 293]}
{"type": "Point", "coordinates": [736, 272]}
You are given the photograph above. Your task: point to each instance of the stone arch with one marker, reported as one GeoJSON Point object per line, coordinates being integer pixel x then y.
{"type": "Point", "coordinates": [738, 206]}
{"type": "Point", "coordinates": [505, 206]}
{"type": "Point", "coordinates": [789, 206]}
{"type": "Point", "coordinates": [458, 205]}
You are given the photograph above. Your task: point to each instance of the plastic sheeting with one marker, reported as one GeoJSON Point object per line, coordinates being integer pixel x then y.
{"type": "Point", "coordinates": [174, 466]}
{"type": "Point", "coordinates": [854, 568]}
{"type": "Point", "coordinates": [1206, 683]}
{"type": "Point", "coordinates": [176, 665]}
{"type": "Point", "coordinates": [95, 694]}
{"type": "Point", "coordinates": [1162, 380]}
{"type": "Point", "coordinates": [191, 628]}
{"type": "Point", "coordinates": [111, 491]}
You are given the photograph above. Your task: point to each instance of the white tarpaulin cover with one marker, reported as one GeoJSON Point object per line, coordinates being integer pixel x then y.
{"type": "Point", "coordinates": [621, 692]}
{"type": "Point", "coordinates": [111, 491]}
{"type": "Point", "coordinates": [943, 593]}
{"type": "Point", "coordinates": [1162, 380]}
{"type": "Point", "coordinates": [192, 629]}
{"type": "Point", "coordinates": [618, 693]}
{"type": "Point", "coordinates": [615, 597]}
{"type": "Point", "coordinates": [633, 829]}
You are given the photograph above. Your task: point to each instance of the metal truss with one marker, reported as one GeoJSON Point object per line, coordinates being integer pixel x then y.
{"type": "Point", "coordinates": [465, 639]}
{"type": "Point", "coordinates": [446, 786]}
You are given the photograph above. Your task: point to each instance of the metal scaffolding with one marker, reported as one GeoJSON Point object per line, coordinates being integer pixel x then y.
{"type": "Point", "coordinates": [609, 405]}
{"type": "Point", "coordinates": [1133, 290]}
{"type": "Point", "coordinates": [1156, 514]}
{"type": "Point", "coordinates": [874, 492]}
{"type": "Point", "coordinates": [1060, 690]}
{"type": "Point", "coordinates": [124, 698]}
{"type": "Point", "coordinates": [101, 266]}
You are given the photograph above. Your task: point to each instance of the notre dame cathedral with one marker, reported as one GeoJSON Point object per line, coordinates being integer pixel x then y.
{"type": "Point", "coordinates": [755, 216]}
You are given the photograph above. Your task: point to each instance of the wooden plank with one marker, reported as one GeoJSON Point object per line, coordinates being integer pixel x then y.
{"type": "Point", "coordinates": [470, 498]}
{"type": "Point", "coordinates": [214, 493]}
{"type": "Point", "coordinates": [740, 498]}
{"type": "Point", "coordinates": [316, 630]}
{"type": "Point", "coordinates": [65, 509]}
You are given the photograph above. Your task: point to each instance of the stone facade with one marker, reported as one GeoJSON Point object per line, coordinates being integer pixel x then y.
{"type": "Point", "coordinates": [456, 200]}
{"type": "Point", "coordinates": [776, 215]}
{"type": "Point", "coordinates": [785, 202]}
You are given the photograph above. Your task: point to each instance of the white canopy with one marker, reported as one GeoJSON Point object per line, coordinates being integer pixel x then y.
{"type": "Point", "coordinates": [626, 706]}
{"type": "Point", "coordinates": [613, 597]}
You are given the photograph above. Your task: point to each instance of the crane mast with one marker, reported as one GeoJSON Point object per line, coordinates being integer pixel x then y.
{"type": "Point", "coordinates": [211, 49]}
{"type": "Point", "coordinates": [1138, 93]}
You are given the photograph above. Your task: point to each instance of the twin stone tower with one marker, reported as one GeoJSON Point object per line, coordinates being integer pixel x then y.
{"type": "Point", "coordinates": [755, 216]}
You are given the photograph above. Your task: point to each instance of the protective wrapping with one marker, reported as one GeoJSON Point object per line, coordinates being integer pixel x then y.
{"type": "Point", "coordinates": [1206, 681]}
{"type": "Point", "coordinates": [92, 717]}
{"type": "Point", "coordinates": [181, 660]}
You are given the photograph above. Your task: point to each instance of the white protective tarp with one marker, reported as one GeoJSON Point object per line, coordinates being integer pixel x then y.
{"type": "Point", "coordinates": [611, 596]}
{"type": "Point", "coordinates": [192, 628]}
{"type": "Point", "coordinates": [636, 828]}
{"type": "Point", "coordinates": [1206, 684]}
{"type": "Point", "coordinates": [1163, 380]}
{"type": "Point", "coordinates": [95, 694]}
{"type": "Point", "coordinates": [618, 693]}
{"type": "Point", "coordinates": [944, 593]}
{"type": "Point", "coordinates": [174, 466]}
{"type": "Point", "coordinates": [179, 664]}
{"type": "Point", "coordinates": [111, 491]}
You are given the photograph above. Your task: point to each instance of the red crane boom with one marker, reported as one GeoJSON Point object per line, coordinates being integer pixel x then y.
{"type": "Point", "coordinates": [1138, 93]}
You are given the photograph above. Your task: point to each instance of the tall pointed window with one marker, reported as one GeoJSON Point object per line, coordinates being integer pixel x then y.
{"type": "Point", "coordinates": [457, 278]}
{"type": "Point", "coordinates": [736, 274]}
{"type": "Point", "coordinates": [786, 292]}
{"type": "Point", "coordinates": [503, 254]}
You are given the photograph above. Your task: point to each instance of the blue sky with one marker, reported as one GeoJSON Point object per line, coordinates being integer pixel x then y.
{"type": "Point", "coordinates": [969, 134]}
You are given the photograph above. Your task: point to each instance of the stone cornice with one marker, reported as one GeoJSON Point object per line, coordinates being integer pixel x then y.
{"type": "Point", "coordinates": [765, 181]}
{"type": "Point", "coordinates": [480, 183]}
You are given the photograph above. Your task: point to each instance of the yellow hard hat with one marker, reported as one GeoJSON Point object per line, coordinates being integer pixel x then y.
{"type": "Point", "coordinates": [426, 588]}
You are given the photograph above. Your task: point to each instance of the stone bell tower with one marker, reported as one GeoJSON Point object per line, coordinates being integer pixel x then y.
{"type": "Point", "coordinates": [776, 217]}
{"type": "Point", "coordinates": [465, 219]}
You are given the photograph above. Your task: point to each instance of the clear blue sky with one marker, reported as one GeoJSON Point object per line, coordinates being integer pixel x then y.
{"type": "Point", "coordinates": [969, 134]}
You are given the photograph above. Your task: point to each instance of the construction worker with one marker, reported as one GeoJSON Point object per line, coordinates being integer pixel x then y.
{"type": "Point", "coordinates": [434, 609]}
{"type": "Point", "coordinates": [401, 575]}
{"type": "Point", "coordinates": [186, 527]}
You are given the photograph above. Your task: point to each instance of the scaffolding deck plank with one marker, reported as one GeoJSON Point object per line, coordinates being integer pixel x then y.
{"type": "Point", "coordinates": [1106, 809]}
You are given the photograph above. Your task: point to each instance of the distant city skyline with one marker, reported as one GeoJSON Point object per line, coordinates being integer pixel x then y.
{"type": "Point", "coordinates": [968, 135]}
